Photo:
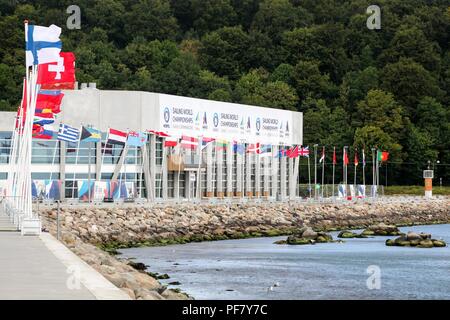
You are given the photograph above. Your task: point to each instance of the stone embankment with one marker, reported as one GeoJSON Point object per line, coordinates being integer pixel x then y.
{"type": "Point", "coordinates": [84, 229]}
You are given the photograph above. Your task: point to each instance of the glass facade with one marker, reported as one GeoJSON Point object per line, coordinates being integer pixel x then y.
{"type": "Point", "coordinates": [78, 157]}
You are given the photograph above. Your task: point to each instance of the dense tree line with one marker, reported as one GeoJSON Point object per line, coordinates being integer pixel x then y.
{"type": "Point", "coordinates": [357, 87]}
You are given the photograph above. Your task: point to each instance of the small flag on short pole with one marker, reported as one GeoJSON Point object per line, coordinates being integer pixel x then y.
{"type": "Point", "coordinates": [322, 158]}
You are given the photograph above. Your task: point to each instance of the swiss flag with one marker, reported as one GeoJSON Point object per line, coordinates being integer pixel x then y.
{"type": "Point", "coordinates": [58, 75]}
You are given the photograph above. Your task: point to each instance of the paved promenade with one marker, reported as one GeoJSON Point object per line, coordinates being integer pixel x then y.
{"type": "Point", "coordinates": [28, 270]}
{"type": "Point", "coordinates": [42, 268]}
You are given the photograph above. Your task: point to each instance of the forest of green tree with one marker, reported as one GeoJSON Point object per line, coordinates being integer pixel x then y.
{"type": "Point", "coordinates": [356, 87]}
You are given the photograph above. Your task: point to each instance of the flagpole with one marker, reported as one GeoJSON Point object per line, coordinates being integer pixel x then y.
{"type": "Point", "coordinates": [179, 173]}
{"type": "Point", "coordinates": [18, 158]}
{"type": "Point", "coordinates": [12, 157]}
{"type": "Point", "coordinates": [346, 167]}
{"type": "Point", "coordinates": [309, 177]}
{"type": "Point", "coordinates": [378, 172]}
{"type": "Point", "coordinates": [15, 188]}
{"type": "Point", "coordinates": [356, 166]}
{"type": "Point", "coordinates": [323, 169]}
{"type": "Point", "coordinates": [162, 161]}
{"type": "Point", "coordinates": [298, 178]}
{"type": "Point", "coordinates": [243, 171]}
{"type": "Point", "coordinates": [53, 159]}
{"type": "Point", "coordinates": [315, 171]}
{"type": "Point", "coordinates": [103, 156]}
{"type": "Point", "coordinates": [334, 168]}
{"type": "Point", "coordinates": [142, 168]}
{"type": "Point", "coordinates": [27, 170]}
{"type": "Point", "coordinates": [364, 169]}
{"type": "Point", "coordinates": [199, 176]}
{"type": "Point", "coordinates": [76, 163]}
{"type": "Point", "coordinates": [373, 171]}
{"type": "Point", "coordinates": [89, 172]}
{"type": "Point", "coordinates": [14, 141]}
{"type": "Point", "coordinates": [214, 182]}
{"type": "Point", "coordinates": [125, 149]}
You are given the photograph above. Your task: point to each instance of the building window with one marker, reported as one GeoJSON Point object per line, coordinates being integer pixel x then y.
{"type": "Point", "coordinates": [45, 152]}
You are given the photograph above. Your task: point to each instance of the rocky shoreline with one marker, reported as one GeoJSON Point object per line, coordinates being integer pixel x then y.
{"type": "Point", "coordinates": [87, 229]}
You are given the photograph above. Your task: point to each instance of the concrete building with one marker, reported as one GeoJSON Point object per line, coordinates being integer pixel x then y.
{"type": "Point", "coordinates": [154, 170]}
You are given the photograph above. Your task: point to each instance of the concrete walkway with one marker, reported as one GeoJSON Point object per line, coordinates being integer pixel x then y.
{"type": "Point", "coordinates": [42, 268]}
{"type": "Point", "coordinates": [28, 270]}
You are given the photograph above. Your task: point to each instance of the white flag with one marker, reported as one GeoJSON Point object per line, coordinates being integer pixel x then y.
{"type": "Point", "coordinates": [43, 44]}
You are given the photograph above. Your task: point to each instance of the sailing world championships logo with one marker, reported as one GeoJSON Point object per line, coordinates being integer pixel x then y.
{"type": "Point", "coordinates": [166, 117]}
{"type": "Point", "coordinates": [166, 114]}
{"type": "Point", "coordinates": [216, 119]}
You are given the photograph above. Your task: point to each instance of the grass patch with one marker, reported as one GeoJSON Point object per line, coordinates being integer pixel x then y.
{"type": "Point", "coordinates": [415, 190]}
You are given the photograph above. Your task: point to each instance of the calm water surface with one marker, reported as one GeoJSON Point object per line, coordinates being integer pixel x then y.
{"type": "Point", "coordinates": [245, 269]}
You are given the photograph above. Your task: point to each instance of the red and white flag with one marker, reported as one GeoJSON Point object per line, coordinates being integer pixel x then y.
{"type": "Point", "coordinates": [254, 148]}
{"type": "Point", "coordinates": [304, 152]}
{"type": "Point", "coordinates": [322, 158]}
{"type": "Point", "coordinates": [58, 75]}
{"type": "Point", "coordinates": [158, 133]}
{"type": "Point", "coordinates": [189, 142]}
{"type": "Point", "coordinates": [116, 137]}
{"type": "Point", "coordinates": [170, 142]}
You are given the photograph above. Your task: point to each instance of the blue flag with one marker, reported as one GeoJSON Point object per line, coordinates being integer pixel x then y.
{"type": "Point", "coordinates": [238, 148]}
{"type": "Point", "coordinates": [136, 139]}
{"type": "Point", "coordinates": [90, 135]}
{"type": "Point", "coordinates": [68, 133]}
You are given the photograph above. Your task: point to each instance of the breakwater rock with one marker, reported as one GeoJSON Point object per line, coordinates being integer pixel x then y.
{"type": "Point", "coordinates": [349, 234]}
{"type": "Point", "coordinates": [413, 239]}
{"type": "Point", "coordinates": [306, 235]}
{"type": "Point", "coordinates": [381, 229]}
{"type": "Point", "coordinates": [86, 229]}
{"type": "Point", "coordinates": [149, 225]}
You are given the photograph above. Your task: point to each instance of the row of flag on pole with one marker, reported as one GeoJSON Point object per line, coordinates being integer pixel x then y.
{"type": "Point", "coordinates": [138, 139]}
{"type": "Point", "coordinates": [88, 134]}
{"type": "Point", "coordinates": [52, 77]}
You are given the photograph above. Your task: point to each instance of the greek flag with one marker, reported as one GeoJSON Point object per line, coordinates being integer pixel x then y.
{"type": "Point", "coordinates": [43, 44]}
{"type": "Point", "coordinates": [68, 133]}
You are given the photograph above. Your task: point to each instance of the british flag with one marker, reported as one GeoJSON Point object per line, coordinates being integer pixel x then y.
{"type": "Point", "coordinates": [304, 152]}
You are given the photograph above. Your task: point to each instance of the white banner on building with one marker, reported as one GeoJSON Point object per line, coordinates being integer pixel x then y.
{"type": "Point", "coordinates": [215, 119]}
{"type": "Point", "coordinates": [342, 191]}
{"type": "Point", "coordinates": [361, 191]}
{"type": "Point", "coordinates": [101, 190]}
{"type": "Point", "coordinates": [352, 191]}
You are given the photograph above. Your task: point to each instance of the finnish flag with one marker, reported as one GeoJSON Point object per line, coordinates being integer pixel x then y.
{"type": "Point", "coordinates": [43, 44]}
